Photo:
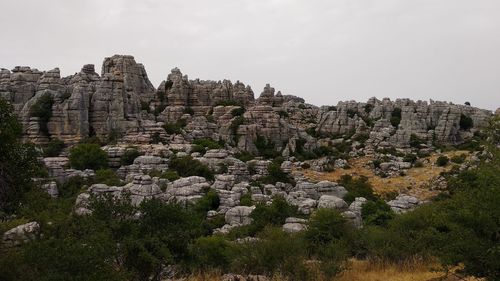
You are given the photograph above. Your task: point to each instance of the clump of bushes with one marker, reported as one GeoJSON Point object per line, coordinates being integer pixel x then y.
{"type": "Point", "coordinates": [357, 187]}
{"type": "Point", "coordinates": [465, 122]}
{"type": "Point", "coordinates": [202, 145]}
{"type": "Point", "coordinates": [108, 177]}
{"type": "Point", "coordinates": [43, 110]}
{"type": "Point", "coordinates": [266, 148]}
{"type": "Point", "coordinates": [186, 166]}
{"type": "Point", "coordinates": [244, 156]}
{"type": "Point", "coordinates": [276, 174]}
{"type": "Point", "coordinates": [442, 161]}
{"type": "Point", "coordinates": [53, 148]}
{"type": "Point", "coordinates": [415, 141]}
{"type": "Point", "coordinates": [176, 127]}
{"type": "Point", "coordinates": [88, 156]}
{"type": "Point", "coordinates": [238, 111]}
{"type": "Point", "coordinates": [129, 156]}
{"type": "Point", "coordinates": [396, 117]}
{"type": "Point", "coordinates": [458, 159]}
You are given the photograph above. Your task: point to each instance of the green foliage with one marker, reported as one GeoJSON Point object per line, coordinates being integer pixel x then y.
{"type": "Point", "coordinates": [229, 103]}
{"type": "Point", "coordinates": [273, 214]}
{"type": "Point", "coordinates": [238, 111]}
{"type": "Point", "coordinates": [415, 141]}
{"type": "Point", "coordinates": [266, 148]}
{"type": "Point", "coordinates": [465, 122]}
{"type": "Point", "coordinates": [209, 201]}
{"type": "Point", "coordinates": [276, 174]}
{"type": "Point", "coordinates": [169, 175]}
{"type": "Point", "coordinates": [246, 200]}
{"type": "Point", "coordinates": [88, 156]}
{"type": "Point", "coordinates": [458, 159]}
{"type": "Point", "coordinates": [18, 161]}
{"type": "Point", "coordinates": [210, 253]}
{"type": "Point", "coordinates": [312, 132]}
{"type": "Point", "coordinates": [357, 187]}
{"type": "Point", "coordinates": [376, 213]}
{"type": "Point", "coordinates": [396, 117]}
{"type": "Point", "coordinates": [176, 127]}
{"type": "Point", "coordinates": [202, 145]}
{"type": "Point", "coordinates": [108, 177]}
{"type": "Point", "coordinates": [442, 160]}
{"type": "Point", "coordinates": [129, 156]}
{"type": "Point", "coordinates": [235, 124]}
{"type": "Point", "coordinates": [244, 156]}
{"type": "Point", "coordinates": [325, 226]}
{"type": "Point", "coordinates": [72, 186]}
{"type": "Point", "coordinates": [43, 110]}
{"type": "Point", "coordinates": [53, 148]}
{"type": "Point", "coordinates": [351, 112]}
{"type": "Point", "coordinates": [368, 108]}
{"type": "Point", "coordinates": [145, 106]}
{"type": "Point", "coordinates": [186, 166]}
{"type": "Point", "coordinates": [283, 114]}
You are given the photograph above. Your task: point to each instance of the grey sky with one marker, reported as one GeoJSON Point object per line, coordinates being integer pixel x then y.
{"type": "Point", "coordinates": [323, 51]}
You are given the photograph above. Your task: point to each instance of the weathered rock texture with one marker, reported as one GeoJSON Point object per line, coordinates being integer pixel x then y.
{"type": "Point", "coordinates": [121, 103]}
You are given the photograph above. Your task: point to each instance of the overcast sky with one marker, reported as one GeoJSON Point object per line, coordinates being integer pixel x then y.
{"type": "Point", "coordinates": [321, 50]}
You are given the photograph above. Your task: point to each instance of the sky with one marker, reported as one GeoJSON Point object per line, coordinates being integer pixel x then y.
{"type": "Point", "coordinates": [322, 50]}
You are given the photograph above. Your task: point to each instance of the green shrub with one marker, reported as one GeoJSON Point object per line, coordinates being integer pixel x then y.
{"type": "Point", "coordinates": [145, 106]}
{"type": "Point", "coordinates": [156, 138]}
{"type": "Point", "coordinates": [276, 174]}
{"type": "Point", "coordinates": [458, 159]}
{"type": "Point", "coordinates": [410, 158]}
{"type": "Point", "coordinates": [108, 177]}
{"type": "Point", "coordinates": [357, 187]}
{"type": "Point", "coordinates": [351, 112]}
{"type": "Point", "coordinates": [244, 156]}
{"type": "Point", "coordinates": [415, 141]}
{"type": "Point", "coordinates": [43, 110]}
{"type": "Point", "coordinates": [88, 156]}
{"type": "Point", "coordinates": [325, 226]}
{"type": "Point", "coordinates": [53, 148]}
{"type": "Point", "coordinates": [229, 103]}
{"type": "Point", "coordinates": [175, 128]}
{"type": "Point", "coordinates": [72, 186]}
{"type": "Point", "coordinates": [238, 111]}
{"type": "Point", "coordinates": [368, 108]}
{"type": "Point", "coordinates": [396, 117]}
{"type": "Point", "coordinates": [377, 213]}
{"type": "Point", "coordinates": [235, 124]}
{"type": "Point", "coordinates": [442, 161]}
{"type": "Point", "coordinates": [211, 253]}
{"type": "Point", "coordinates": [273, 214]}
{"type": "Point", "coordinates": [186, 166]}
{"type": "Point", "coordinates": [210, 201]}
{"type": "Point", "coordinates": [266, 148]}
{"type": "Point", "coordinates": [465, 122]}
{"type": "Point", "coordinates": [129, 156]}
{"type": "Point", "coordinates": [283, 114]}
{"type": "Point", "coordinates": [169, 175]}
{"type": "Point", "coordinates": [246, 200]}
{"type": "Point", "coordinates": [202, 145]}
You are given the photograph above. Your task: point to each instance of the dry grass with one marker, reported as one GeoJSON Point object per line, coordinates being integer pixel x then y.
{"type": "Point", "coordinates": [415, 182]}
{"type": "Point", "coordinates": [358, 270]}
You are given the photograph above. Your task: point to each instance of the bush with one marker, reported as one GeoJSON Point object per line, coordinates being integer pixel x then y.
{"type": "Point", "coordinates": [244, 156]}
{"type": "Point", "coordinates": [186, 166]}
{"type": "Point", "coordinates": [129, 156]}
{"type": "Point", "coordinates": [54, 148]}
{"type": "Point", "coordinates": [357, 187]}
{"type": "Point", "coordinates": [442, 161]}
{"type": "Point", "coordinates": [238, 111]}
{"type": "Point", "coordinates": [246, 200]}
{"type": "Point", "coordinates": [276, 174]}
{"type": "Point", "coordinates": [273, 214]}
{"type": "Point", "coordinates": [415, 141]}
{"type": "Point", "coordinates": [458, 159]}
{"type": "Point", "coordinates": [229, 103]}
{"type": "Point", "coordinates": [108, 177]}
{"type": "Point", "coordinates": [88, 156]}
{"type": "Point", "coordinates": [211, 253]}
{"type": "Point", "coordinates": [169, 175]}
{"type": "Point", "coordinates": [72, 186]}
{"type": "Point", "coordinates": [396, 117]}
{"type": "Point", "coordinates": [175, 128]}
{"type": "Point", "coordinates": [266, 148]}
{"type": "Point", "coordinates": [43, 110]}
{"type": "Point", "coordinates": [465, 122]}
{"type": "Point", "coordinates": [202, 145]}
{"type": "Point", "coordinates": [376, 213]}
{"type": "Point", "coordinates": [235, 124]}
{"type": "Point", "coordinates": [283, 114]}
{"type": "Point", "coordinates": [325, 226]}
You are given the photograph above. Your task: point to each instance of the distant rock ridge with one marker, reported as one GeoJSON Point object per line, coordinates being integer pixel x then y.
{"type": "Point", "coordinates": [122, 102]}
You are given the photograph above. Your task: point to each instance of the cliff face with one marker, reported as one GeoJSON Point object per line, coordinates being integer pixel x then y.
{"type": "Point", "coordinates": [123, 102]}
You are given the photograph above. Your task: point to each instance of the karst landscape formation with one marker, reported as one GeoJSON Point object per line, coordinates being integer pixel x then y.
{"type": "Point", "coordinates": [105, 177]}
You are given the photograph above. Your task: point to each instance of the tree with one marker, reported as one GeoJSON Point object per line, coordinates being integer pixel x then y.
{"type": "Point", "coordinates": [88, 156]}
{"type": "Point", "coordinates": [18, 163]}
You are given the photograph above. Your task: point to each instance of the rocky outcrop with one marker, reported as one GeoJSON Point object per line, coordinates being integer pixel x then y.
{"type": "Point", "coordinates": [21, 234]}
